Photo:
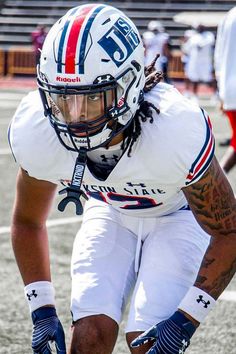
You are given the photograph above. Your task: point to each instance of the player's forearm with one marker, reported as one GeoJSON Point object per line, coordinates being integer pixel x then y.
{"type": "Point", "coordinates": [216, 271]}
{"type": "Point", "coordinates": [30, 245]}
{"type": "Point", "coordinates": [218, 265]}
{"type": "Point", "coordinates": [213, 204]}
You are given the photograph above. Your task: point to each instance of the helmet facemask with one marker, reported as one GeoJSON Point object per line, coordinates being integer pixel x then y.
{"type": "Point", "coordinates": [88, 116]}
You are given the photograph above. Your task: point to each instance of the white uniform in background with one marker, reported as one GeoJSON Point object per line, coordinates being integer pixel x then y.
{"type": "Point", "coordinates": [154, 44]}
{"type": "Point", "coordinates": [225, 60]}
{"type": "Point", "coordinates": [184, 48]}
{"type": "Point", "coordinates": [199, 49]}
{"type": "Point", "coordinates": [172, 152]}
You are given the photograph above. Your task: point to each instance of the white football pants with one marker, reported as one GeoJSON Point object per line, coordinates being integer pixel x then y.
{"type": "Point", "coordinates": [166, 252]}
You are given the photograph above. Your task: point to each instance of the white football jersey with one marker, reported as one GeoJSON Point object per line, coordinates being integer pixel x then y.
{"type": "Point", "coordinates": [225, 58]}
{"type": "Point", "coordinates": [171, 153]}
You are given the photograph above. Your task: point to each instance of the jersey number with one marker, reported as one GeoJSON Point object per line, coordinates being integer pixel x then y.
{"type": "Point", "coordinates": [125, 201]}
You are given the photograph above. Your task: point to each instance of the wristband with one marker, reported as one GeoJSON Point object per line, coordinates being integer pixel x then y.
{"type": "Point", "coordinates": [197, 303]}
{"type": "Point", "coordinates": [38, 294]}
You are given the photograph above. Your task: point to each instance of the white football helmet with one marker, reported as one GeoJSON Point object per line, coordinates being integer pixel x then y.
{"type": "Point", "coordinates": [91, 75]}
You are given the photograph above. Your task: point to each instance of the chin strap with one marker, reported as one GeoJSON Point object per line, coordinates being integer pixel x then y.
{"type": "Point", "coordinates": [73, 191]}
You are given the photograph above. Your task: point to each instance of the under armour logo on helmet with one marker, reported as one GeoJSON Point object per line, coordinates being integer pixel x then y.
{"type": "Point", "coordinates": [32, 294]}
{"type": "Point", "coordinates": [200, 299]}
{"type": "Point", "coordinates": [103, 78]}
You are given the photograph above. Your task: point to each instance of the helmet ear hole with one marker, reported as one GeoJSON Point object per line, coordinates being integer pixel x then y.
{"type": "Point", "coordinates": [137, 66]}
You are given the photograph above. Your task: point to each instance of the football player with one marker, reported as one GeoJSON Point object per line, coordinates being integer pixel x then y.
{"type": "Point", "coordinates": [159, 222]}
{"type": "Point", "coordinates": [225, 56]}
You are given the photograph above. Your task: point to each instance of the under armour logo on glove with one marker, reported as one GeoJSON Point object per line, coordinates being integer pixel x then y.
{"type": "Point", "coordinates": [31, 295]}
{"type": "Point", "coordinates": [171, 336]}
{"type": "Point", "coordinates": [200, 299]}
{"type": "Point", "coordinates": [185, 345]}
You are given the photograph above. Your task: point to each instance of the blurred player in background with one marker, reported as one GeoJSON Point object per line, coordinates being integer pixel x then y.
{"type": "Point", "coordinates": [185, 58]}
{"type": "Point", "coordinates": [143, 155]}
{"type": "Point", "coordinates": [157, 41]}
{"type": "Point", "coordinates": [225, 68]}
{"type": "Point", "coordinates": [199, 49]}
{"type": "Point", "coordinates": [38, 36]}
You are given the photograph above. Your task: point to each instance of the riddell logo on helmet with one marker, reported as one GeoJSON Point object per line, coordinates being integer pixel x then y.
{"type": "Point", "coordinates": [67, 79]}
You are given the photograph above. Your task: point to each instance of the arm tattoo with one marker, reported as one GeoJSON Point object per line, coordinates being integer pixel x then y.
{"type": "Point", "coordinates": [213, 204]}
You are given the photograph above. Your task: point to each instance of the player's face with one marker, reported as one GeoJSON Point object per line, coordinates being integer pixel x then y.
{"type": "Point", "coordinates": [82, 108]}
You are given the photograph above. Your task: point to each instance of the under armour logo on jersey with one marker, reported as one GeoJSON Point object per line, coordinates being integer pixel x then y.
{"type": "Point", "coordinates": [130, 184]}
{"type": "Point", "coordinates": [31, 295]}
{"type": "Point", "coordinates": [120, 41]}
{"type": "Point", "coordinates": [200, 299]}
{"type": "Point", "coordinates": [185, 344]}
{"type": "Point", "coordinates": [105, 159]}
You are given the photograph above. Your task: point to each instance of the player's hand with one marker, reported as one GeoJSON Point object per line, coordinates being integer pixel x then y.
{"type": "Point", "coordinates": [171, 336]}
{"type": "Point", "coordinates": [47, 329]}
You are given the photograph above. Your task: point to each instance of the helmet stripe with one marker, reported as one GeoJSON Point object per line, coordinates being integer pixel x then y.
{"type": "Point", "coordinates": [73, 39]}
{"type": "Point", "coordinates": [85, 37]}
{"type": "Point", "coordinates": [62, 41]}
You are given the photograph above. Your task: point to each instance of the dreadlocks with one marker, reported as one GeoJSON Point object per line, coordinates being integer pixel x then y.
{"type": "Point", "coordinates": [145, 111]}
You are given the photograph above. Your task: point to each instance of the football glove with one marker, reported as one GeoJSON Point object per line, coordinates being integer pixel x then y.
{"type": "Point", "coordinates": [47, 329]}
{"type": "Point", "coordinates": [171, 336]}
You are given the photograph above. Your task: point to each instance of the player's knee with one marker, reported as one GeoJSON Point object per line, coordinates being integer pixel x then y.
{"type": "Point", "coordinates": [85, 339]}
{"type": "Point", "coordinates": [93, 335]}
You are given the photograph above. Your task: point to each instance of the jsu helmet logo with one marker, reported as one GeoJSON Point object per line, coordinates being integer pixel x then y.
{"type": "Point", "coordinates": [120, 41]}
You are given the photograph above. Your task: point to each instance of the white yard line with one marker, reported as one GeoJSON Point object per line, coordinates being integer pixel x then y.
{"type": "Point", "coordinates": [11, 96]}
{"type": "Point", "coordinates": [5, 151]}
{"type": "Point", "coordinates": [50, 223]}
{"type": "Point", "coordinates": [4, 121]}
{"type": "Point", "coordinates": [9, 105]}
{"type": "Point", "coordinates": [219, 136]}
{"type": "Point", "coordinates": [64, 221]}
{"type": "Point", "coordinates": [228, 295]}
